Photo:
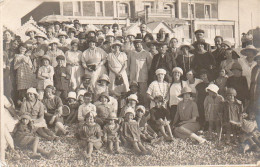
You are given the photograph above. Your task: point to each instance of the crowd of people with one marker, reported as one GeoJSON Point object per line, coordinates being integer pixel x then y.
{"type": "Point", "coordinates": [123, 89]}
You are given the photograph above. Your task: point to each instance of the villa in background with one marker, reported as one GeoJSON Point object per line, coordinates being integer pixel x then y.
{"type": "Point", "coordinates": [182, 16]}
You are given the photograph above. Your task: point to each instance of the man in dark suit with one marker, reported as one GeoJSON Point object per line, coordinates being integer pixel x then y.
{"type": "Point", "coordinates": [199, 34]}
{"type": "Point", "coordinates": [162, 60]}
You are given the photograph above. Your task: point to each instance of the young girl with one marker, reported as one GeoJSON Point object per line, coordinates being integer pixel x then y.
{"type": "Point", "coordinates": [212, 104]}
{"type": "Point", "coordinates": [44, 75]}
{"type": "Point", "coordinates": [221, 82]}
{"type": "Point", "coordinates": [132, 101]}
{"type": "Point", "coordinates": [160, 119]}
{"type": "Point", "coordinates": [130, 133]}
{"type": "Point", "coordinates": [25, 137]}
{"type": "Point", "coordinates": [53, 105]}
{"type": "Point", "coordinates": [90, 136]}
{"type": "Point", "coordinates": [111, 136]}
{"type": "Point", "coordinates": [73, 105]}
{"type": "Point", "coordinates": [86, 107]}
{"type": "Point", "coordinates": [25, 78]}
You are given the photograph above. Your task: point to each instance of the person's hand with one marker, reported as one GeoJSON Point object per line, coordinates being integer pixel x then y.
{"type": "Point", "coordinates": [155, 135]}
{"type": "Point", "coordinates": [63, 75]}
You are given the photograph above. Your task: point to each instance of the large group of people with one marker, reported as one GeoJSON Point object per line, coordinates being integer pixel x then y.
{"type": "Point", "coordinates": [122, 88]}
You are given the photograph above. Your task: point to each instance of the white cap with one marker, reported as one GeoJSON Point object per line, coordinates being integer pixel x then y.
{"type": "Point", "coordinates": [160, 71]}
{"type": "Point", "coordinates": [213, 88]}
{"type": "Point", "coordinates": [72, 95]}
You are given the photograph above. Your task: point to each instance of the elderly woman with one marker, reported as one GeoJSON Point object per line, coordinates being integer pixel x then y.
{"type": "Point", "coordinates": [117, 62]}
{"type": "Point", "coordinates": [73, 57]}
{"type": "Point", "coordinates": [34, 107]}
{"type": "Point", "coordinates": [54, 52]}
{"type": "Point", "coordinates": [184, 123]}
{"type": "Point", "coordinates": [175, 90]}
{"type": "Point", "coordinates": [158, 87]}
{"type": "Point", "coordinates": [93, 60]}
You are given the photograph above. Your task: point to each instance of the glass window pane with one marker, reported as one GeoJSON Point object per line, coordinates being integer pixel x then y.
{"type": "Point", "coordinates": [67, 9]}
{"type": "Point", "coordinates": [77, 8]}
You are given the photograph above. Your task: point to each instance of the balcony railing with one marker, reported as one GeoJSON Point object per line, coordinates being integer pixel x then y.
{"type": "Point", "coordinates": [156, 13]}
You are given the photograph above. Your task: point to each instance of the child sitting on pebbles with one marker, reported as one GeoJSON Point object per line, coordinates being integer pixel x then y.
{"type": "Point", "coordinates": [86, 107]}
{"type": "Point", "coordinates": [130, 133]}
{"type": "Point", "coordinates": [73, 105]}
{"type": "Point", "coordinates": [25, 137]}
{"type": "Point", "coordinates": [111, 136]}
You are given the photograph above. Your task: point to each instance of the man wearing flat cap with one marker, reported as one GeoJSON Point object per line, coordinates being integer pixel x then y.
{"type": "Point", "coordinates": [199, 34]}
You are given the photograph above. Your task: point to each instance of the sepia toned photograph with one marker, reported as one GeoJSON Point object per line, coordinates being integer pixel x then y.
{"type": "Point", "coordinates": [129, 83]}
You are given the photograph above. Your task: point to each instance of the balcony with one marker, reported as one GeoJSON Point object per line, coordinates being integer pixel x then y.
{"type": "Point", "coordinates": [156, 13]}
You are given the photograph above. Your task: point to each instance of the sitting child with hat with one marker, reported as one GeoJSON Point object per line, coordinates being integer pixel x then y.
{"type": "Point", "coordinates": [160, 119]}
{"type": "Point", "coordinates": [44, 75]}
{"type": "Point", "coordinates": [111, 133]}
{"type": "Point", "coordinates": [61, 78]}
{"type": "Point", "coordinates": [86, 107]}
{"type": "Point", "coordinates": [212, 104]}
{"type": "Point", "coordinates": [130, 133]}
{"type": "Point", "coordinates": [73, 106]}
{"type": "Point", "coordinates": [85, 84]}
{"type": "Point", "coordinates": [132, 101]}
{"type": "Point", "coordinates": [25, 137]}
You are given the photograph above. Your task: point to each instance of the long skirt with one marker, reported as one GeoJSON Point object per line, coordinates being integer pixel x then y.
{"type": "Point", "coordinates": [119, 88]}
{"type": "Point", "coordinates": [191, 126]}
{"type": "Point", "coordinates": [76, 73]}
{"type": "Point", "coordinates": [25, 78]}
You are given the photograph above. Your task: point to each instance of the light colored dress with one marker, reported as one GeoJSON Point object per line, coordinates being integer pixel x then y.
{"type": "Point", "coordinates": [45, 71]}
{"type": "Point", "coordinates": [98, 55]}
{"type": "Point", "coordinates": [175, 91]}
{"type": "Point", "coordinates": [116, 62]}
{"type": "Point", "coordinates": [158, 89]}
{"type": "Point", "coordinates": [73, 59]}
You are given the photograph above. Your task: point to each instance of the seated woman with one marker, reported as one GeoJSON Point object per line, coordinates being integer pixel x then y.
{"type": "Point", "coordinates": [53, 104]}
{"type": "Point", "coordinates": [33, 107]}
{"type": "Point", "coordinates": [185, 124]}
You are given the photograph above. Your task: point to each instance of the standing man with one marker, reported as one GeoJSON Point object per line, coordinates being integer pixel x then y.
{"type": "Point", "coordinates": [199, 34]}
{"type": "Point", "coordinates": [143, 30]}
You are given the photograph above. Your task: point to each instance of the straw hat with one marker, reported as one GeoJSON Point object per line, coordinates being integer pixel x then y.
{"type": "Point", "coordinates": [72, 95]}
{"type": "Point", "coordinates": [227, 43]}
{"type": "Point", "coordinates": [29, 30]}
{"type": "Point", "coordinates": [104, 94]}
{"type": "Point", "coordinates": [117, 42]}
{"type": "Point", "coordinates": [74, 41]}
{"type": "Point", "coordinates": [110, 34]}
{"type": "Point", "coordinates": [53, 41]}
{"type": "Point", "coordinates": [133, 97]}
{"type": "Point", "coordinates": [249, 48]}
{"type": "Point", "coordinates": [160, 71]}
{"type": "Point", "coordinates": [62, 33]}
{"type": "Point", "coordinates": [131, 33]}
{"type": "Point", "coordinates": [46, 57]}
{"type": "Point", "coordinates": [129, 110]}
{"type": "Point", "coordinates": [41, 35]}
{"type": "Point", "coordinates": [212, 87]}
{"type": "Point", "coordinates": [186, 44]}
{"type": "Point", "coordinates": [177, 69]}
{"type": "Point", "coordinates": [32, 90]}
{"type": "Point", "coordinates": [185, 90]}
{"type": "Point", "coordinates": [140, 108]}
{"type": "Point", "coordinates": [112, 116]}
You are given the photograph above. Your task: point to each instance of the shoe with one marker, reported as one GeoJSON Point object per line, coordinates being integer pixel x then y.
{"type": "Point", "coordinates": [35, 156]}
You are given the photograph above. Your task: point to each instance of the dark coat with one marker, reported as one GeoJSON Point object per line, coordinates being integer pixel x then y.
{"type": "Point", "coordinates": [60, 82]}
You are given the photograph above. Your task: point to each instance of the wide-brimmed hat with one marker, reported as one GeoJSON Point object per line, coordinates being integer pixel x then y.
{"type": "Point", "coordinates": [60, 57]}
{"type": "Point", "coordinates": [154, 42]}
{"type": "Point", "coordinates": [104, 94]}
{"type": "Point", "coordinates": [81, 35]}
{"type": "Point", "coordinates": [62, 33]}
{"type": "Point", "coordinates": [117, 42]}
{"type": "Point", "coordinates": [41, 35]}
{"type": "Point", "coordinates": [133, 97]}
{"type": "Point", "coordinates": [131, 33]}
{"type": "Point", "coordinates": [32, 90]}
{"type": "Point", "coordinates": [249, 48]}
{"type": "Point", "coordinates": [72, 29]}
{"type": "Point", "coordinates": [74, 41]}
{"type": "Point", "coordinates": [231, 91]}
{"type": "Point", "coordinates": [236, 66]}
{"type": "Point", "coordinates": [227, 43]}
{"type": "Point", "coordinates": [112, 116]}
{"type": "Point", "coordinates": [81, 93]}
{"type": "Point", "coordinates": [134, 83]}
{"type": "Point", "coordinates": [72, 95]}
{"type": "Point", "coordinates": [129, 110]}
{"type": "Point", "coordinates": [186, 44]}
{"type": "Point", "coordinates": [26, 116]}
{"type": "Point", "coordinates": [177, 69]}
{"type": "Point", "coordinates": [92, 39]}
{"type": "Point", "coordinates": [140, 107]}
{"type": "Point", "coordinates": [53, 42]}
{"type": "Point", "coordinates": [86, 76]}
{"type": "Point", "coordinates": [29, 30]}
{"type": "Point", "coordinates": [185, 90]}
{"type": "Point", "coordinates": [104, 77]}
{"type": "Point", "coordinates": [212, 87]}
{"type": "Point", "coordinates": [46, 57]}
{"type": "Point", "coordinates": [90, 29]}
{"type": "Point", "coordinates": [160, 71]}
{"type": "Point", "coordinates": [111, 34]}
{"type": "Point", "coordinates": [199, 31]}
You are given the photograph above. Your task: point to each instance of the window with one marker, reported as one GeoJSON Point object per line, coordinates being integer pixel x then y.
{"type": "Point", "coordinates": [123, 10]}
{"type": "Point", "coordinates": [67, 9]}
{"type": "Point", "coordinates": [99, 8]}
{"type": "Point", "coordinates": [77, 8]}
{"type": "Point", "coordinates": [207, 11]}
{"type": "Point", "coordinates": [88, 8]}
{"type": "Point", "coordinates": [191, 10]}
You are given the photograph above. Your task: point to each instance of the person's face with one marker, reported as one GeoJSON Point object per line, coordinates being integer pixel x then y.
{"type": "Point", "coordinates": [173, 43]}
{"type": "Point", "coordinates": [123, 29]}
{"type": "Point", "coordinates": [153, 47]}
{"type": "Point", "coordinates": [212, 94]}
{"type": "Point", "coordinates": [223, 46]}
{"type": "Point", "coordinates": [186, 96]}
{"type": "Point", "coordinates": [190, 76]}
{"type": "Point", "coordinates": [25, 121]}
{"type": "Point", "coordinates": [45, 62]}
{"type": "Point", "coordinates": [77, 26]}
{"type": "Point", "coordinates": [111, 121]}
{"type": "Point", "coordinates": [132, 103]}
{"type": "Point", "coordinates": [71, 101]}
{"type": "Point", "coordinates": [86, 81]}
{"type": "Point", "coordinates": [199, 36]}
{"type": "Point", "coordinates": [139, 113]}
{"type": "Point", "coordinates": [90, 119]}
{"type": "Point", "coordinates": [31, 96]}
{"type": "Point", "coordinates": [204, 77]}
{"type": "Point", "coordinates": [60, 62]}
{"type": "Point", "coordinates": [87, 100]}
{"type": "Point", "coordinates": [91, 34]}
{"type": "Point", "coordinates": [222, 73]}
{"type": "Point", "coordinates": [31, 34]}
{"type": "Point", "coordinates": [15, 44]}
{"type": "Point", "coordinates": [74, 47]}
{"type": "Point", "coordinates": [143, 28]}
{"type": "Point", "coordinates": [176, 75]}
{"type": "Point", "coordinates": [49, 34]}
{"type": "Point", "coordinates": [164, 49]}
{"type": "Point", "coordinates": [39, 39]}
{"type": "Point", "coordinates": [158, 103]}
{"type": "Point", "coordinates": [138, 46]}
{"type": "Point", "coordinates": [115, 28]}
{"type": "Point", "coordinates": [228, 54]}
{"type": "Point", "coordinates": [117, 48]}
{"type": "Point", "coordinates": [48, 93]}
{"type": "Point", "coordinates": [81, 99]}
{"type": "Point", "coordinates": [81, 41]}
{"type": "Point", "coordinates": [62, 39]}
{"type": "Point", "coordinates": [218, 42]}
{"type": "Point", "coordinates": [7, 36]}
{"type": "Point", "coordinates": [134, 89]}
{"type": "Point", "coordinates": [103, 83]}
{"type": "Point", "coordinates": [250, 56]}
{"type": "Point", "coordinates": [99, 33]}
{"type": "Point", "coordinates": [110, 39]}
{"type": "Point", "coordinates": [72, 34]}
{"type": "Point", "coordinates": [92, 44]}
{"type": "Point", "coordinates": [147, 39]}
{"type": "Point", "coordinates": [160, 77]}
{"type": "Point", "coordinates": [53, 46]}
{"type": "Point", "coordinates": [131, 38]}
{"type": "Point", "coordinates": [162, 32]}
{"type": "Point", "coordinates": [103, 99]}
{"type": "Point", "coordinates": [129, 116]}
{"type": "Point", "coordinates": [230, 98]}
{"type": "Point", "coordinates": [57, 27]}
{"type": "Point", "coordinates": [236, 72]}
{"type": "Point", "coordinates": [22, 50]}
{"type": "Point", "coordinates": [105, 29]}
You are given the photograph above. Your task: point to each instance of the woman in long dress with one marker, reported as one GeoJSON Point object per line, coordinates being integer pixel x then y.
{"type": "Point", "coordinates": [73, 57]}
{"type": "Point", "coordinates": [117, 62]}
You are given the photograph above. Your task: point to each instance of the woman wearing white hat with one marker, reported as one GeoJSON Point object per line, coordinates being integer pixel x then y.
{"type": "Point", "coordinates": [117, 64]}
{"type": "Point", "coordinates": [158, 87]}
{"type": "Point", "coordinates": [31, 34]}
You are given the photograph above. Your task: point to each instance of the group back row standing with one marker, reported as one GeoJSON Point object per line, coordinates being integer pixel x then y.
{"type": "Point", "coordinates": [70, 59]}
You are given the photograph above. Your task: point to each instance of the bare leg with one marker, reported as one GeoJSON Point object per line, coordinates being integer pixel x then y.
{"type": "Point", "coordinates": [110, 146]}
{"type": "Point", "coordinates": [49, 132]}
{"type": "Point", "coordinates": [43, 134]}
{"type": "Point", "coordinates": [162, 130]}
{"type": "Point", "coordinates": [60, 127]}
{"type": "Point", "coordinates": [35, 145]}
{"type": "Point", "coordinates": [117, 146]}
{"type": "Point", "coordinates": [136, 147]}
{"type": "Point", "coordinates": [90, 148]}
{"type": "Point", "coordinates": [142, 148]}
{"type": "Point", "coordinates": [168, 129]}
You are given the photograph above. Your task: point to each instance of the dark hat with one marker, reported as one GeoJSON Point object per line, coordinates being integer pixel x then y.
{"type": "Point", "coordinates": [203, 71]}
{"type": "Point", "coordinates": [185, 90]}
{"type": "Point", "coordinates": [60, 57]}
{"type": "Point", "coordinates": [134, 83]}
{"type": "Point", "coordinates": [158, 98]}
{"type": "Point", "coordinates": [74, 41]}
{"type": "Point", "coordinates": [88, 94]}
{"type": "Point", "coordinates": [93, 39]}
{"type": "Point", "coordinates": [231, 91]}
{"type": "Point", "coordinates": [86, 76]}
{"type": "Point", "coordinates": [115, 25]}
{"type": "Point", "coordinates": [149, 35]}
{"type": "Point", "coordinates": [236, 66]}
{"type": "Point", "coordinates": [81, 35]}
{"type": "Point", "coordinates": [76, 21]}
{"type": "Point", "coordinates": [105, 94]}
{"type": "Point", "coordinates": [153, 42]}
{"type": "Point", "coordinates": [199, 31]}
{"type": "Point", "coordinates": [56, 23]}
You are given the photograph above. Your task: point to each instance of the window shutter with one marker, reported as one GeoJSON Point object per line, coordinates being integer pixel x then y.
{"type": "Point", "coordinates": [199, 10]}
{"type": "Point", "coordinates": [109, 9]}
{"type": "Point", "coordinates": [184, 10]}
{"type": "Point", "coordinates": [89, 8]}
{"type": "Point", "coordinates": [214, 10]}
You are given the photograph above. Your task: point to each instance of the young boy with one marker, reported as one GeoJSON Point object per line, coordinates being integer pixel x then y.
{"type": "Point", "coordinates": [61, 78]}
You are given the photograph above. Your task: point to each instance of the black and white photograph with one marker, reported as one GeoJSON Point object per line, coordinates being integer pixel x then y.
{"type": "Point", "coordinates": [129, 83]}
